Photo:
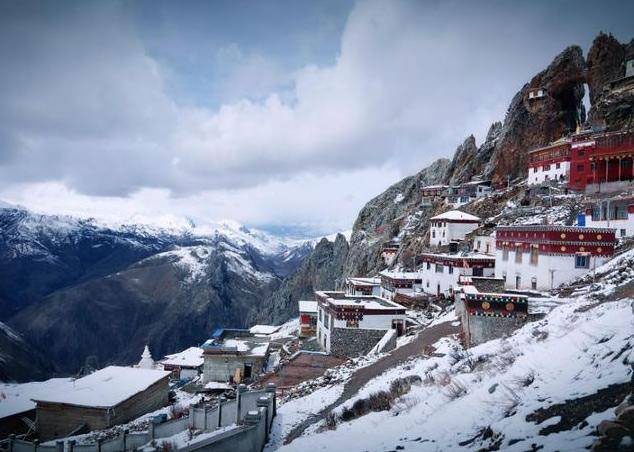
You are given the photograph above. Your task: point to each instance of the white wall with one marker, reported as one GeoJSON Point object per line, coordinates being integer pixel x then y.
{"type": "Point", "coordinates": [619, 225]}
{"type": "Point", "coordinates": [552, 174]}
{"type": "Point", "coordinates": [449, 231]}
{"type": "Point", "coordinates": [563, 270]}
{"type": "Point", "coordinates": [447, 281]}
{"type": "Point", "coordinates": [480, 243]}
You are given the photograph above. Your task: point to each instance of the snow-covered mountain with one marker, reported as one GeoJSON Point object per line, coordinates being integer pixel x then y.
{"type": "Point", "coordinates": [61, 277]}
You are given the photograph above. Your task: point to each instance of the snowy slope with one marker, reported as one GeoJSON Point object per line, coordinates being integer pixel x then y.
{"type": "Point", "coordinates": [548, 385]}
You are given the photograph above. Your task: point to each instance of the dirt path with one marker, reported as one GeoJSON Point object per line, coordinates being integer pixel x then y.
{"type": "Point", "coordinates": [402, 354]}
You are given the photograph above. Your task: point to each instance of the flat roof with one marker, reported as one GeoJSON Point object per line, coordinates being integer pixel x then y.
{"type": "Point", "coordinates": [18, 397]}
{"type": "Point", "coordinates": [263, 329]}
{"type": "Point", "coordinates": [248, 346]}
{"type": "Point", "coordinates": [400, 275]}
{"type": "Point", "coordinates": [366, 302]}
{"type": "Point", "coordinates": [365, 281]}
{"type": "Point", "coordinates": [456, 215]}
{"type": "Point", "coordinates": [459, 257]}
{"type": "Point", "coordinates": [553, 227]}
{"type": "Point", "coordinates": [106, 387]}
{"type": "Point", "coordinates": [191, 357]}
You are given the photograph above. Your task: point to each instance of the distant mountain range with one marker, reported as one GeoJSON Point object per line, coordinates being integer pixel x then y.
{"type": "Point", "coordinates": [75, 289]}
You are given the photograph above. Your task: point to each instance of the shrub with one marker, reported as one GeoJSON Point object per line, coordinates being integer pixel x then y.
{"type": "Point", "coordinates": [331, 421]}
{"type": "Point", "coordinates": [455, 390]}
{"type": "Point", "coordinates": [379, 401]}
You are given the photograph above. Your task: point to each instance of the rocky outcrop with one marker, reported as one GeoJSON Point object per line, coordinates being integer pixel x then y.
{"type": "Point", "coordinates": [320, 271]}
{"type": "Point", "coordinates": [530, 123]}
{"type": "Point", "coordinates": [611, 102]}
{"type": "Point", "coordinates": [384, 216]}
{"type": "Point", "coordinates": [18, 360]}
{"type": "Point", "coordinates": [469, 160]}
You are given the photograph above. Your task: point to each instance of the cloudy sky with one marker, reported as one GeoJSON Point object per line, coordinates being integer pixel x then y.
{"type": "Point", "coordinates": [272, 113]}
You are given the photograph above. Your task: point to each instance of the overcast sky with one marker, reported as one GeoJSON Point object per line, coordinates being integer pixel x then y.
{"type": "Point", "coordinates": [272, 113]}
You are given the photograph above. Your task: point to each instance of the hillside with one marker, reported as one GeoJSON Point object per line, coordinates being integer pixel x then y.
{"type": "Point", "coordinates": [548, 386]}
{"type": "Point", "coordinates": [103, 292]}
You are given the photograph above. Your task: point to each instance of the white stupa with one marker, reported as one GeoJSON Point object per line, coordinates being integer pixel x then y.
{"type": "Point", "coordinates": [146, 360]}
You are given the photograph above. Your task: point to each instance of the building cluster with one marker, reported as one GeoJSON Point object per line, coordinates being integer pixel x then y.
{"type": "Point", "coordinates": [455, 196]}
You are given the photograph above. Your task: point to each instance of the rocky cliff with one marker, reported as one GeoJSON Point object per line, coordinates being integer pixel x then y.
{"type": "Point", "coordinates": [611, 105]}
{"type": "Point", "coordinates": [384, 216]}
{"type": "Point", "coordinates": [529, 123]}
{"type": "Point", "coordinates": [322, 270]}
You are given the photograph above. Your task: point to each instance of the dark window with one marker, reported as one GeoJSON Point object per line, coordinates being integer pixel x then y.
{"type": "Point", "coordinates": [582, 261]}
{"type": "Point", "coordinates": [451, 267]}
{"type": "Point", "coordinates": [558, 165]}
{"type": "Point", "coordinates": [580, 167]}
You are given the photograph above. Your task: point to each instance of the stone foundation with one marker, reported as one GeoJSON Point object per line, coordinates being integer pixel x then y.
{"type": "Point", "coordinates": [353, 342]}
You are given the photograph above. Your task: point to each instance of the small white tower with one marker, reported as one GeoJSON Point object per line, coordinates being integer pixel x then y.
{"type": "Point", "coordinates": [146, 360]}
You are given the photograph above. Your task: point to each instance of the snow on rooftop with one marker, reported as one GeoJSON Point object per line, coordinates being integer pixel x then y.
{"type": "Point", "coordinates": [191, 357]}
{"type": "Point", "coordinates": [307, 306]}
{"type": "Point", "coordinates": [365, 281]}
{"type": "Point", "coordinates": [17, 397]}
{"type": "Point", "coordinates": [105, 388]}
{"type": "Point", "coordinates": [400, 275]}
{"type": "Point", "coordinates": [263, 329]}
{"type": "Point", "coordinates": [456, 215]}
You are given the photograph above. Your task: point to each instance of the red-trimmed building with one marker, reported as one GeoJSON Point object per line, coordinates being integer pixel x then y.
{"type": "Point", "coordinates": [602, 162]}
{"type": "Point", "coordinates": [353, 325]}
{"type": "Point", "coordinates": [549, 163]}
{"type": "Point", "coordinates": [543, 257]}
{"type": "Point", "coordinates": [439, 273]}
{"type": "Point", "coordinates": [616, 213]}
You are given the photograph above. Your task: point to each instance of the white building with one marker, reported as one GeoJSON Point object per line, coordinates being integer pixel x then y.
{"type": "Point", "coordinates": [399, 282]}
{"type": "Point", "coordinates": [550, 163]}
{"type": "Point", "coordinates": [543, 257]}
{"type": "Point", "coordinates": [451, 226]}
{"type": "Point", "coordinates": [351, 326]}
{"type": "Point", "coordinates": [615, 213]}
{"type": "Point", "coordinates": [363, 286]}
{"type": "Point", "coordinates": [484, 244]}
{"type": "Point", "coordinates": [440, 272]}
{"type": "Point", "coordinates": [459, 195]}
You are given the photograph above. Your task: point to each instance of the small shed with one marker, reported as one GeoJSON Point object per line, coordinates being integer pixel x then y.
{"type": "Point", "coordinates": [113, 395]}
{"type": "Point", "coordinates": [185, 365]}
{"type": "Point", "coordinates": [307, 318]}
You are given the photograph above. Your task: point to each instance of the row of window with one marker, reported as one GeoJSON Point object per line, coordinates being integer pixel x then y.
{"type": "Point", "coordinates": [582, 260]}
{"type": "Point", "coordinates": [546, 167]}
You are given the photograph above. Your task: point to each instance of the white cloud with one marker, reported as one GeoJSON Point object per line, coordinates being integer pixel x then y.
{"type": "Point", "coordinates": [85, 106]}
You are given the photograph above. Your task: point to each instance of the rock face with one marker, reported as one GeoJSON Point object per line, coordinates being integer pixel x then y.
{"type": "Point", "coordinates": [530, 123]}
{"type": "Point", "coordinates": [18, 360]}
{"type": "Point", "coordinates": [320, 271]}
{"type": "Point", "coordinates": [384, 216]}
{"type": "Point", "coordinates": [611, 105]}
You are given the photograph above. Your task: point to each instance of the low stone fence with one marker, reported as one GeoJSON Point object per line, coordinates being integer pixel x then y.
{"type": "Point", "coordinates": [251, 413]}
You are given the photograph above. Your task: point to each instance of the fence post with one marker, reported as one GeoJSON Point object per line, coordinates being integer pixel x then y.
{"type": "Point", "coordinates": [205, 417]}
{"type": "Point", "coordinates": [36, 443]}
{"type": "Point", "coordinates": [99, 441]}
{"type": "Point", "coordinates": [241, 388]}
{"type": "Point", "coordinates": [59, 446]}
{"type": "Point", "coordinates": [11, 441]}
{"type": "Point", "coordinates": [125, 439]}
{"type": "Point", "coordinates": [71, 445]}
{"type": "Point", "coordinates": [220, 400]}
{"type": "Point", "coordinates": [272, 389]}
{"type": "Point", "coordinates": [263, 402]}
{"type": "Point", "coordinates": [150, 429]}
{"type": "Point", "coordinates": [191, 416]}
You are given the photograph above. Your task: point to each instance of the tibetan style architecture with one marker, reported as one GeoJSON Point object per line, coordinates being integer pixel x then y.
{"type": "Point", "coordinates": [615, 213]}
{"type": "Point", "coordinates": [440, 272]}
{"type": "Point", "coordinates": [185, 365]}
{"type": "Point", "coordinates": [352, 326]}
{"type": "Point", "coordinates": [550, 163]}
{"type": "Point", "coordinates": [451, 226]}
{"type": "Point", "coordinates": [485, 311]}
{"type": "Point", "coordinates": [543, 257]}
{"type": "Point", "coordinates": [602, 162]}
{"type": "Point", "coordinates": [363, 286]}
{"type": "Point", "coordinates": [389, 252]}
{"type": "Point", "coordinates": [110, 396]}
{"type": "Point", "coordinates": [234, 356]}
{"type": "Point", "coordinates": [399, 282]}
{"type": "Point", "coordinates": [459, 195]}
{"type": "Point", "coordinates": [307, 318]}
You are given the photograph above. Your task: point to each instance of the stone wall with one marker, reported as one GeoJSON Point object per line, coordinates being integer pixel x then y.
{"type": "Point", "coordinates": [353, 342]}
{"type": "Point", "coordinates": [481, 329]}
{"type": "Point", "coordinates": [489, 285]}
{"type": "Point", "coordinates": [223, 367]}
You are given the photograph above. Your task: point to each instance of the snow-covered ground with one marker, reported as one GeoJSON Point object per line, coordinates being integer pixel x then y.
{"type": "Point", "coordinates": [567, 355]}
